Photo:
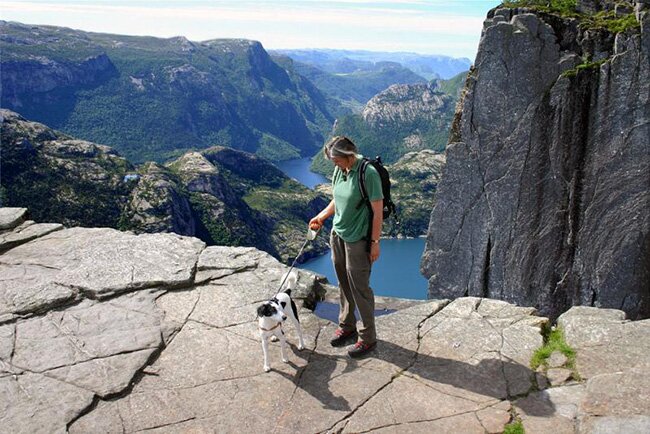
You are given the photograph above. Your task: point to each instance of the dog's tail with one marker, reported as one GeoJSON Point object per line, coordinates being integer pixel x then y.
{"type": "Point", "coordinates": [290, 282]}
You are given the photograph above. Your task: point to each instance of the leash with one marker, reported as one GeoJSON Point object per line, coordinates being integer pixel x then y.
{"type": "Point", "coordinates": [311, 235]}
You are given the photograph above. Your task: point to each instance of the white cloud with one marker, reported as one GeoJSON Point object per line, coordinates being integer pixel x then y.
{"type": "Point", "coordinates": [317, 24]}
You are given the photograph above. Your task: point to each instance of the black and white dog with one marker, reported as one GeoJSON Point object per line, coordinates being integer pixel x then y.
{"type": "Point", "coordinates": [272, 314]}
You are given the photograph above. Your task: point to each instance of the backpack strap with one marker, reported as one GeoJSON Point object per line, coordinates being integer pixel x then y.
{"type": "Point", "coordinates": [364, 199]}
{"type": "Point", "coordinates": [362, 182]}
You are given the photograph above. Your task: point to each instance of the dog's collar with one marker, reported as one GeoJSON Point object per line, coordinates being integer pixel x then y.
{"type": "Point", "coordinates": [272, 328]}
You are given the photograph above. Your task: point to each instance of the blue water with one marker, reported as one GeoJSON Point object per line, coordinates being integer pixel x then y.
{"type": "Point", "coordinates": [395, 274]}
{"type": "Point", "coordinates": [330, 311]}
{"type": "Point", "coordinates": [299, 170]}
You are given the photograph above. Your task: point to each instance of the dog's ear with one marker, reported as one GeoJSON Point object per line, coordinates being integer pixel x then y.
{"type": "Point", "coordinates": [287, 291]}
{"type": "Point", "coordinates": [260, 311]}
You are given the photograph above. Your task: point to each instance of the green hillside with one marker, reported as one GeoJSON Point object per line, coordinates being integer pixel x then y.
{"type": "Point", "coordinates": [154, 99]}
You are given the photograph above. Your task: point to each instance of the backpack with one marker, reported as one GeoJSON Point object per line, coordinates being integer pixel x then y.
{"type": "Point", "coordinates": [389, 206]}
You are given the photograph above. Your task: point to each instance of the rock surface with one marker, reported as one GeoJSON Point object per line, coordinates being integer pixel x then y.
{"type": "Point", "coordinates": [11, 217]}
{"type": "Point", "coordinates": [611, 359]}
{"type": "Point", "coordinates": [404, 103]}
{"type": "Point", "coordinates": [544, 199]}
{"type": "Point", "coordinates": [106, 331]}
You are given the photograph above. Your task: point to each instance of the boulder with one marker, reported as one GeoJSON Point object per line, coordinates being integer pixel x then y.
{"type": "Point", "coordinates": [11, 217]}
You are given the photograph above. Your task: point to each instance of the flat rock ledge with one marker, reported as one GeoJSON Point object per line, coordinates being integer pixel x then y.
{"type": "Point", "coordinates": [105, 331]}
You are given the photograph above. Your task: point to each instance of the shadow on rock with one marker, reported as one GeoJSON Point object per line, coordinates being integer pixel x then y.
{"type": "Point", "coordinates": [489, 377]}
{"type": "Point", "coordinates": [315, 377]}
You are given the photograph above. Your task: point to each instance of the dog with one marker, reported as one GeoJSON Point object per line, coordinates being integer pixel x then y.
{"type": "Point", "coordinates": [271, 316]}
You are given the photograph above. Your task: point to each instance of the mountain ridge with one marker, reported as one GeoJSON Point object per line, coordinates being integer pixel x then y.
{"type": "Point", "coordinates": [429, 66]}
{"type": "Point", "coordinates": [153, 98]}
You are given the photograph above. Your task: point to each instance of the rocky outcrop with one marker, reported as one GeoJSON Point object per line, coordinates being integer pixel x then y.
{"type": "Point", "coordinates": [241, 199]}
{"type": "Point", "coordinates": [405, 103]}
{"type": "Point", "coordinates": [157, 203]}
{"type": "Point", "coordinates": [544, 200]}
{"type": "Point", "coordinates": [102, 331]}
{"type": "Point", "coordinates": [59, 177]}
{"type": "Point", "coordinates": [223, 196]}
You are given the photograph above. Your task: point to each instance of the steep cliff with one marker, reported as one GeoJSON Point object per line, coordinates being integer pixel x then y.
{"type": "Point", "coordinates": [544, 200]}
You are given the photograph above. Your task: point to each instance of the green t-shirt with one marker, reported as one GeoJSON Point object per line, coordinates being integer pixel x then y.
{"type": "Point", "coordinates": [351, 222]}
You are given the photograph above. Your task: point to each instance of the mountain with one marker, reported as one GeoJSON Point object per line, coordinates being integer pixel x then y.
{"type": "Point", "coordinates": [154, 99]}
{"type": "Point", "coordinates": [545, 195]}
{"type": "Point", "coordinates": [221, 195]}
{"type": "Point", "coordinates": [347, 61]}
{"type": "Point", "coordinates": [72, 181]}
{"type": "Point", "coordinates": [351, 90]}
{"type": "Point", "coordinates": [401, 119]}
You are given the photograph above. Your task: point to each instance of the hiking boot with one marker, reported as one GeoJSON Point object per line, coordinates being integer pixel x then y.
{"type": "Point", "coordinates": [361, 348]}
{"type": "Point", "coordinates": [341, 337]}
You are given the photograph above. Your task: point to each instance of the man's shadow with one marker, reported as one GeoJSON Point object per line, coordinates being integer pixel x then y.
{"type": "Point", "coordinates": [487, 378]}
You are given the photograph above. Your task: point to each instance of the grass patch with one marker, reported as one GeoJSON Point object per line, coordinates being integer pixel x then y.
{"type": "Point", "coordinates": [582, 67]}
{"type": "Point", "coordinates": [515, 427]}
{"type": "Point", "coordinates": [564, 8]}
{"type": "Point", "coordinates": [610, 21]}
{"type": "Point", "coordinates": [554, 341]}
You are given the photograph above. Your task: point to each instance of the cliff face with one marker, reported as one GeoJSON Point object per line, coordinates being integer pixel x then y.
{"type": "Point", "coordinates": [544, 200]}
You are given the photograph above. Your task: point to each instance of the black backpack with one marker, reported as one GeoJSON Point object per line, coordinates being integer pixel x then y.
{"type": "Point", "coordinates": [389, 206]}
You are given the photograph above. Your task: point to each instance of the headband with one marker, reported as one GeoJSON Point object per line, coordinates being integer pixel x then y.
{"type": "Point", "coordinates": [334, 151]}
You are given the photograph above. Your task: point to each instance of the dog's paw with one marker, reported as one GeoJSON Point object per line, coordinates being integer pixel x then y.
{"type": "Point", "coordinates": [301, 347]}
{"type": "Point", "coordinates": [274, 338]}
{"type": "Point", "coordinates": [285, 360]}
{"type": "Point", "coordinates": [267, 368]}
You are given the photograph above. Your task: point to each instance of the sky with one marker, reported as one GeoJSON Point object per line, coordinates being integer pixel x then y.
{"type": "Point", "coordinates": [449, 27]}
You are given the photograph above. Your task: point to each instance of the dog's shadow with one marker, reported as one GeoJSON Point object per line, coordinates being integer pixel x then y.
{"type": "Point", "coordinates": [486, 378]}
{"type": "Point", "coordinates": [316, 374]}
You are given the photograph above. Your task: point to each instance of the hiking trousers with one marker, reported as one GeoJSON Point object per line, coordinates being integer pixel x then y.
{"type": "Point", "coordinates": [352, 266]}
